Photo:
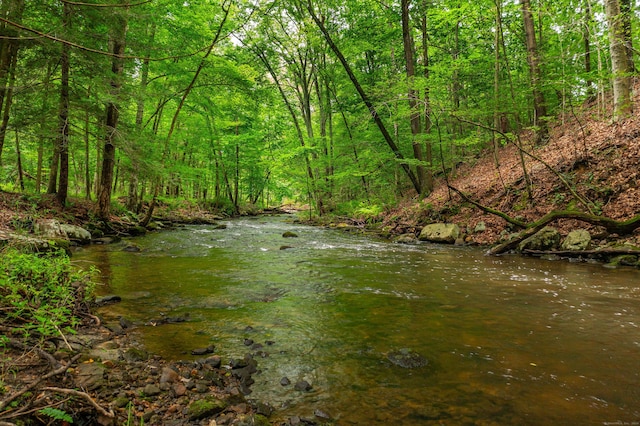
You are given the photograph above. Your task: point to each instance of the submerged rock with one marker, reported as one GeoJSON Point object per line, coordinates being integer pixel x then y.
{"type": "Point", "coordinates": [290, 234]}
{"type": "Point", "coordinates": [407, 358]}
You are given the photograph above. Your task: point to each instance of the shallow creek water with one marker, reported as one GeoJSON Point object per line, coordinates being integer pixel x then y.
{"type": "Point", "coordinates": [509, 340]}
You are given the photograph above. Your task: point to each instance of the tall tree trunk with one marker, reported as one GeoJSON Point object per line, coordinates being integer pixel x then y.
{"type": "Point", "coordinates": [8, 100]}
{"type": "Point", "coordinates": [533, 58]}
{"type": "Point", "coordinates": [622, 102]}
{"type": "Point", "coordinates": [132, 198]}
{"type": "Point", "coordinates": [87, 174]}
{"type": "Point", "coordinates": [109, 151]}
{"type": "Point", "coordinates": [627, 12]}
{"type": "Point", "coordinates": [63, 114]}
{"type": "Point", "coordinates": [43, 126]}
{"type": "Point", "coordinates": [19, 162]}
{"type": "Point", "coordinates": [365, 99]}
{"type": "Point", "coordinates": [414, 117]}
{"type": "Point", "coordinates": [586, 35]}
{"type": "Point", "coordinates": [9, 45]}
{"type": "Point", "coordinates": [428, 124]}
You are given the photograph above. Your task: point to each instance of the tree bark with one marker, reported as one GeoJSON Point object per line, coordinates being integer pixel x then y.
{"type": "Point", "coordinates": [109, 151]}
{"type": "Point", "coordinates": [622, 102]}
{"type": "Point", "coordinates": [428, 183]}
{"type": "Point", "coordinates": [533, 58]}
{"type": "Point", "coordinates": [63, 115]}
{"type": "Point", "coordinates": [414, 114]}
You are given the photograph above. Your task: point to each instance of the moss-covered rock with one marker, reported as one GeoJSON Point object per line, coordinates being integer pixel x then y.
{"type": "Point", "coordinates": [440, 233]}
{"type": "Point", "coordinates": [547, 238]}
{"type": "Point", "coordinates": [205, 407]}
{"type": "Point", "coordinates": [578, 239]}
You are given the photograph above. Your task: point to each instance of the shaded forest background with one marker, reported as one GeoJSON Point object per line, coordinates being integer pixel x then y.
{"type": "Point", "coordinates": [347, 107]}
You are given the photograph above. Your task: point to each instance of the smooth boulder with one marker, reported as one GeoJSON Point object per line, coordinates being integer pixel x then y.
{"type": "Point", "coordinates": [577, 240]}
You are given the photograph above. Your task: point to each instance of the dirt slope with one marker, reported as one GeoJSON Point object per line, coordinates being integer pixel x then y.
{"type": "Point", "coordinates": [599, 160]}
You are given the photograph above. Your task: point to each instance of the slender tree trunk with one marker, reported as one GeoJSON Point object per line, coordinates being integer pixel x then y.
{"type": "Point", "coordinates": [44, 110]}
{"type": "Point", "coordinates": [533, 58]}
{"type": "Point", "coordinates": [622, 102]}
{"type": "Point", "coordinates": [365, 99]}
{"type": "Point", "coordinates": [8, 101]}
{"type": "Point", "coordinates": [87, 173]}
{"type": "Point", "coordinates": [132, 198]}
{"type": "Point", "coordinates": [626, 9]}
{"type": "Point", "coordinates": [9, 46]}
{"type": "Point", "coordinates": [63, 115]}
{"type": "Point", "coordinates": [414, 117]}
{"type": "Point", "coordinates": [428, 184]}
{"type": "Point", "coordinates": [109, 151]}
{"type": "Point", "coordinates": [586, 35]}
{"type": "Point", "coordinates": [19, 162]}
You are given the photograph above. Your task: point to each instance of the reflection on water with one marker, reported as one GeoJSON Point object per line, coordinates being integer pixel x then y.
{"type": "Point", "coordinates": [509, 340]}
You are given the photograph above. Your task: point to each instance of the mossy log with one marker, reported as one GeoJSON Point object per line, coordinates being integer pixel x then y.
{"type": "Point", "coordinates": [613, 226]}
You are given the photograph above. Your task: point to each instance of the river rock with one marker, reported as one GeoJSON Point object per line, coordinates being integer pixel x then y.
{"type": "Point", "coordinates": [440, 233]}
{"type": "Point", "coordinates": [290, 234]}
{"type": "Point", "coordinates": [407, 358]}
{"type": "Point", "coordinates": [408, 238]}
{"type": "Point", "coordinates": [578, 239]}
{"type": "Point", "coordinates": [480, 227]}
{"type": "Point", "coordinates": [76, 233]}
{"type": "Point", "coordinates": [547, 238]}
{"type": "Point", "coordinates": [169, 375]}
{"type": "Point", "coordinates": [203, 351]}
{"type": "Point", "coordinates": [303, 386]}
{"type": "Point", "coordinates": [90, 375]}
{"type": "Point", "coordinates": [206, 407]}
{"type": "Point", "coordinates": [151, 390]}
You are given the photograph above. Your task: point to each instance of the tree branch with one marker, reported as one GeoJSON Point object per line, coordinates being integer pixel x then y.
{"type": "Point", "coordinates": [84, 395]}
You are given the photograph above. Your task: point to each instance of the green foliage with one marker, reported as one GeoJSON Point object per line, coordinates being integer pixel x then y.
{"type": "Point", "coordinates": [56, 414]}
{"type": "Point", "coordinates": [42, 294]}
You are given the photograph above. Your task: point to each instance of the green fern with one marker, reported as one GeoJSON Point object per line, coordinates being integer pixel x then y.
{"type": "Point", "coordinates": [56, 414]}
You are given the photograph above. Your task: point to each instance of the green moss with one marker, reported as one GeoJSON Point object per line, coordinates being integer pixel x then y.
{"type": "Point", "coordinates": [206, 407]}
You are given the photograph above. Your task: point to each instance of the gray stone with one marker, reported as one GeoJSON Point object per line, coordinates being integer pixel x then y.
{"type": "Point", "coordinates": [303, 386]}
{"type": "Point", "coordinates": [547, 238]}
{"type": "Point", "coordinates": [480, 227]}
{"type": "Point", "coordinates": [577, 240]}
{"type": "Point", "coordinates": [407, 358]}
{"type": "Point", "coordinates": [406, 239]}
{"type": "Point", "coordinates": [440, 233]}
{"type": "Point", "coordinates": [169, 375]}
{"type": "Point", "coordinates": [151, 390]}
{"type": "Point", "coordinates": [90, 375]}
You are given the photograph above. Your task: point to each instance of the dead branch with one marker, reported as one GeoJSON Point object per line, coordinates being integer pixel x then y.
{"type": "Point", "coordinates": [84, 395]}
{"type": "Point", "coordinates": [489, 210]}
{"type": "Point", "coordinates": [59, 370]}
{"type": "Point", "coordinates": [612, 226]}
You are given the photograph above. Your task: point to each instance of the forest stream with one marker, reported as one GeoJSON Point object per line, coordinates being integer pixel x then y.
{"type": "Point", "coordinates": [504, 340]}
